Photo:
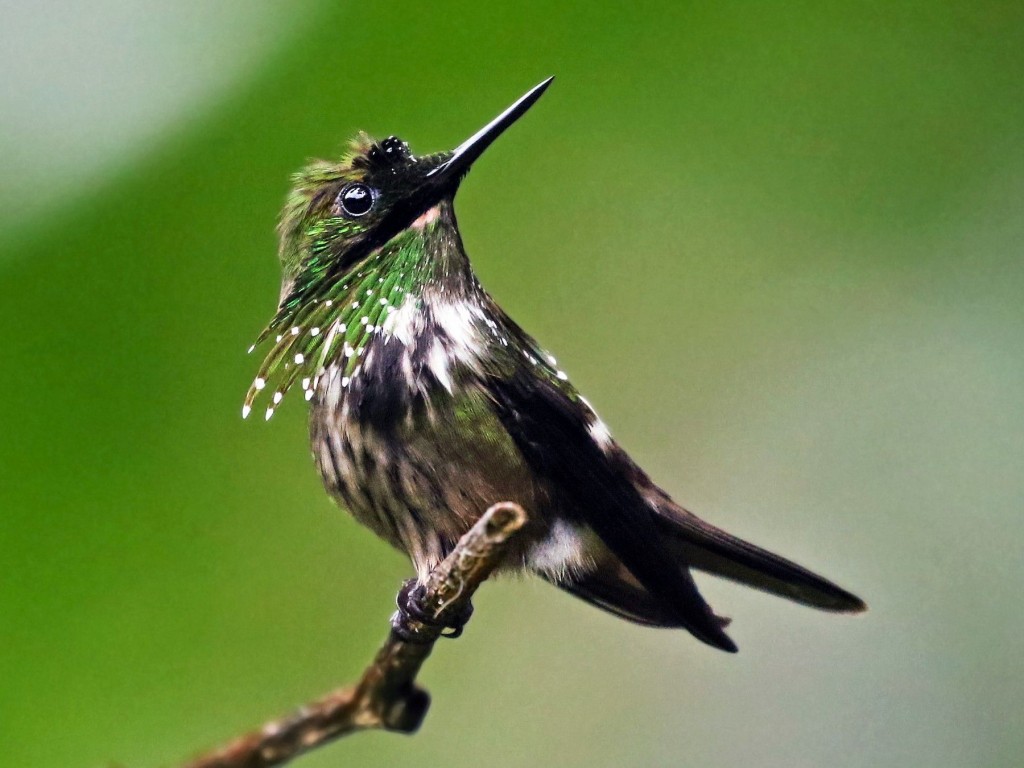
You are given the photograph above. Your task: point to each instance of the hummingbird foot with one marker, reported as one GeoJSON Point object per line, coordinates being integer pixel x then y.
{"type": "Point", "coordinates": [412, 611]}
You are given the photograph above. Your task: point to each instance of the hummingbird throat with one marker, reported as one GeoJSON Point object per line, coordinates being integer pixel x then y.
{"type": "Point", "coordinates": [330, 323]}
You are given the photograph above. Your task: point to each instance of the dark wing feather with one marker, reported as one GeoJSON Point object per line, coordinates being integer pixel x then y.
{"type": "Point", "coordinates": [712, 550]}
{"type": "Point", "coordinates": [550, 430]}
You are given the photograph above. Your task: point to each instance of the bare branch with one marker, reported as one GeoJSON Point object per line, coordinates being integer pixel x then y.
{"type": "Point", "coordinates": [386, 697]}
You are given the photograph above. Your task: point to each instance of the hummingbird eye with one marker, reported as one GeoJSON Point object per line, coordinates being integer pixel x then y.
{"type": "Point", "coordinates": [356, 199]}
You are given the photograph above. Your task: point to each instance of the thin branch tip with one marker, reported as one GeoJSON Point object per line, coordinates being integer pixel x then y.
{"type": "Point", "coordinates": [504, 519]}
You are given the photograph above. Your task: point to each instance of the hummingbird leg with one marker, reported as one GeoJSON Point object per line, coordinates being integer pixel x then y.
{"type": "Point", "coordinates": [410, 607]}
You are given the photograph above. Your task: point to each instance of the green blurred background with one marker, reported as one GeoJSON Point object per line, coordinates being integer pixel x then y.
{"type": "Point", "coordinates": [778, 246]}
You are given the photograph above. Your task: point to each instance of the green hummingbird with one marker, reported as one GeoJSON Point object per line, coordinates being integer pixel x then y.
{"type": "Point", "coordinates": [429, 403]}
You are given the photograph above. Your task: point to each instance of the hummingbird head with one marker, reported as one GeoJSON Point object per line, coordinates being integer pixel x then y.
{"type": "Point", "coordinates": [346, 229]}
{"type": "Point", "coordinates": [338, 213]}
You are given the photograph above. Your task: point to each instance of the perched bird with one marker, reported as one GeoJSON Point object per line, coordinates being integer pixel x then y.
{"type": "Point", "coordinates": [429, 403]}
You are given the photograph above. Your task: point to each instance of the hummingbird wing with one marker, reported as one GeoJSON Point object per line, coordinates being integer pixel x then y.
{"type": "Point", "coordinates": [596, 488]}
{"type": "Point", "coordinates": [655, 541]}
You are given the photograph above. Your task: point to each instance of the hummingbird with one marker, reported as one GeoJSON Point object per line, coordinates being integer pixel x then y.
{"type": "Point", "coordinates": [428, 403]}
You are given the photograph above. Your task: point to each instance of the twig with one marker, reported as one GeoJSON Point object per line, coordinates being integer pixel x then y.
{"type": "Point", "coordinates": [386, 697]}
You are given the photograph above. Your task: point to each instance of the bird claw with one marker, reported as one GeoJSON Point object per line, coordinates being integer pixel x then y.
{"type": "Point", "coordinates": [455, 626]}
{"type": "Point", "coordinates": [410, 606]}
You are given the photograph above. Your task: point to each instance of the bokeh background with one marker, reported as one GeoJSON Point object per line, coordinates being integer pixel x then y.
{"type": "Point", "coordinates": [778, 245]}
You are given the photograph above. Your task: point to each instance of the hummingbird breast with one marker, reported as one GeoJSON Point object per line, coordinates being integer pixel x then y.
{"type": "Point", "coordinates": [410, 445]}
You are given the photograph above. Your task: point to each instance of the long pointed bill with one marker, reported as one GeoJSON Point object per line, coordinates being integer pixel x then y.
{"type": "Point", "coordinates": [469, 150]}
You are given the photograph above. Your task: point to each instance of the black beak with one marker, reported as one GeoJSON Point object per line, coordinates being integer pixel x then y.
{"type": "Point", "coordinates": [455, 167]}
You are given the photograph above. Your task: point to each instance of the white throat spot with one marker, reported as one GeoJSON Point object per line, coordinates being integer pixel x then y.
{"type": "Point", "coordinates": [458, 320]}
{"type": "Point", "coordinates": [406, 323]}
{"type": "Point", "coordinates": [437, 361]}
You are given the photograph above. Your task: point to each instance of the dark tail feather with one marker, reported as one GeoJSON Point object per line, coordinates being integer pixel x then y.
{"type": "Point", "coordinates": [613, 588]}
{"type": "Point", "coordinates": [710, 549]}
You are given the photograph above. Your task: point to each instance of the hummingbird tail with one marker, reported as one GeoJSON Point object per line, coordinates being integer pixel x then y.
{"type": "Point", "coordinates": [703, 546]}
{"type": "Point", "coordinates": [613, 588]}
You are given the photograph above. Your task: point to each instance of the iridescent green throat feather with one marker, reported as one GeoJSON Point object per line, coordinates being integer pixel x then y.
{"type": "Point", "coordinates": [339, 319]}
{"type": "Point", "coordinates": [343, 277]}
